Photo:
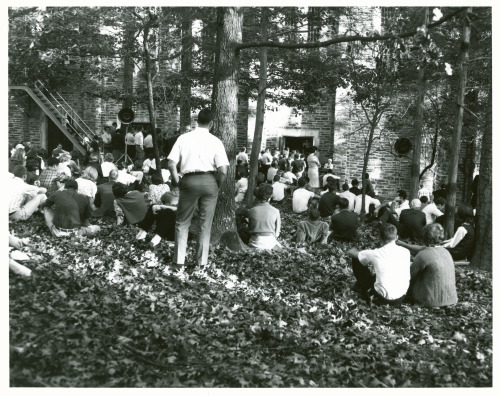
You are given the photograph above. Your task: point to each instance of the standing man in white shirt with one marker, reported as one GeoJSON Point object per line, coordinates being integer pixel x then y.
{"type": "Point", "coordinates": [139, 145]}
{"type": "Point", "coordinates": [243, 156]}
{"type": "Point", "coordinates": [148, 144]}
{"type": "Point", "coordinates": [203, 165]}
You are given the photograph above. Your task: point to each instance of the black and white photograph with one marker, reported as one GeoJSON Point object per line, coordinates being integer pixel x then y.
{"type": "Point", "coordinates": [249, 195]}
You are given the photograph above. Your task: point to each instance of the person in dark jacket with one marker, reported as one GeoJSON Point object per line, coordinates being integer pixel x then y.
{"type": "Point", "coordinates": [104, 198]}
{"type": "Point", "coordinates": [461, 245]}
{"type": "Point", "coordinates": [412, 221]}
{"type": "Point", "coordinates": [344, 224]}
{"type": "Point", "coordinates": [328, 201]}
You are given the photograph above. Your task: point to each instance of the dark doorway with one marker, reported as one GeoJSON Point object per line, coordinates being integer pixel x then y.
{"type": "Point", "coordinates": [55, 136]}
{"type": "Point", "coordinates": [300, 143]}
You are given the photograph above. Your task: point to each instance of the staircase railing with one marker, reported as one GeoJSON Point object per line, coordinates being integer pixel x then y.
{"type": "Point", "coordinates": [82, 127]}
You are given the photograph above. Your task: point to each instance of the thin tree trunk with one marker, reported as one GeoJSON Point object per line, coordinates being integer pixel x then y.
{"type": "Point", "coordinates": [186, 66]}
{"type": "Point", "coordinates": [468, 168]}
{"type": "Point", "coordinates": [259, 118]}
{"type": "Point", "coordinates": [226, 109]}
{"type": "Point", "coordinates": [433, 155]}
{"type": "Point", "coordinates": [128, 68]}
{"type": "Point", "coordinates": [151, 103]}
{"type": "Point", "coordinates": [417, 134]}
{"type": "Point", "coordinates": [457, 133]}
{"type": "Point", "coordinates": [332, 120]}
{"type": "Point", "coordinates": [482, 256]}
{"type": "Point", "coordinates": [366, 158]}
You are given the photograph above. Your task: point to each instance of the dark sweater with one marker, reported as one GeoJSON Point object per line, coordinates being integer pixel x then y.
{"type": "Point", "coordinates": [134, 206]}
{"type": "Point", "coordinates": [328, 203]}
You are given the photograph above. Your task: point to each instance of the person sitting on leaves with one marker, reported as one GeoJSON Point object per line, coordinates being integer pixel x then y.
{"type": "Point", "coordinates": [313, 229]}
{"type": "Point", "coordinates": [264, 220]}
{"type": "Point", "coordinates": [432, 271]}
{"type": "Point", "coordinates": [71, 213]}
{"type": "Point", "coordinates": [344, 224]}
{"type": "Point", "coordinates": [391, 264]}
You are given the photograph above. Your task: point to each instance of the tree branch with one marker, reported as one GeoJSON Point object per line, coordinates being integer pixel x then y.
{"type": "Point", "coordinates": [344, 39]}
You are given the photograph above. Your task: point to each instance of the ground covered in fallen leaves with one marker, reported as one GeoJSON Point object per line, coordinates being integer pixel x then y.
{"type": "Point", "coordinates": [103, 313]}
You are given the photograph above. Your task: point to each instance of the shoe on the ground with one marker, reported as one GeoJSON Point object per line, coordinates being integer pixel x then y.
{"type": "Point", "coordinates": [155, 240]}
{"type": "Point", "coordinates": [141, 235]}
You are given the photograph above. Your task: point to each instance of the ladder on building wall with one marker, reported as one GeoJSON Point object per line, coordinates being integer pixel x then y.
{"type": "Point", "coordinates": [58, 110]}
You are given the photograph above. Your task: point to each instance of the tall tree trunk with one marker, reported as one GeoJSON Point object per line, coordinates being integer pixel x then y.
{"type": "Point", "coordinates": [259, 118]}
{"type": "Point", "coordinates": [457, 133]}
{"type": "Point", "coordinates": [226, 109]}
{"type": "Point", "coordinates": [186, 66]}
{"type": "Point", "coordinates": [417, 134]}
{"type": "Point", "coordinates": [151, 103]}
{"type": "Point", "coordinates": [128, 68]}
{"type": "Point", "coordinates": [468, 168]}
{"type": "Point", "coordinates": [482, 256]}
{"type": "Point", "coordinates": [366, 158]}
{"type": "Point", "coordinates": [332, 120]}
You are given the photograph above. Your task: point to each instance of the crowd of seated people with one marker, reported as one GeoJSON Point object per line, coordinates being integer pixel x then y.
{"type": "Point", "coordinates": [72, 192]}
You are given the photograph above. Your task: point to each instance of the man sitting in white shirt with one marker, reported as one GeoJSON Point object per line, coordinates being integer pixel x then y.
{"type": "Point", "coordinates": [391, 264]}
{"type": "Point", "coordinates": [434, 210]}
{"type": "Point", "coordinates": [368, 201]}
{"type": "Point", "coordinates": [301, 196]}
{"type": "Point", "coordinates": [24, 199]}
{"type": "Point", "coordinates": [278, 190]}
{"type": "Point", "coordinates": [349, 196]}
{"type": "Point", "coordinates": [288, 178]}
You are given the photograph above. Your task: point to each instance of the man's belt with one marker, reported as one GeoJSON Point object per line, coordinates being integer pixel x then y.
{"type": "Point", "coordinates": [198, 173]}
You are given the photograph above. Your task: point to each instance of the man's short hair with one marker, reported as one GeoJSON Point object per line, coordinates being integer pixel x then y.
{"type": "Point", "coordinates": [433, 233]}
{"type": "Point", "coordinates": [313, 214]}
{"type": "Point", "coordinates": [302, 182]}
{"type": "Point", "coordinates": [388, 232]}
{"type": "Point", "coordinates": [205, 116]}
{"type": "Point", "coordinates": [264, 192]}
{"type": "Point", "coordinates": [119, 190]}
{"type": "Point", "coordinates": [440, 201]}
{"type": "Point", "coordinates": [113, 174]}
{"type": "Point", "coordinates": [296, 156]}
{"type": "Point", "coordinates": [71, 184]}
{"type": "Point", "coordinates": [19, 171]}
{"type": "Point", "coordinates": [355, 182]}
{"type": "Point", "coordinates": [465, 212]}
{"type": "Point", "coordinates": [402, 194]}
{"type": "Point", "coordinates": [343, 203]}
{"type": "Point", "coordinates": [424, 199]}
{"type": "Point", "coordinates": [313, 203]}
{"type": "Point", "coordinates": [114, 123]}
{"type": "Point", "coordinates": [109, 157]}
{"type": "Point", "coordinates": [157, 178]}
{"type": "Point", "coordinates": [52, 161]}
{"type": "Point", "coordinates": [345, 187]}
{"type": "Point", "coordinates": [332, 185]}
{"type": "Point", "coordinates": [276, 178]}
{"type": "Point", "coordinates": [415, 203]}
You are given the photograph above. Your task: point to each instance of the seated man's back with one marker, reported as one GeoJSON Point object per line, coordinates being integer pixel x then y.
{"type": "Point", "coordinates": [345, 223]}
{"type": "Point", "coordinates": [328, 201]}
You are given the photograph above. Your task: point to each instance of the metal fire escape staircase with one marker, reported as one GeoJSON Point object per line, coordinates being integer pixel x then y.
{"type": "Point", "coordinates": [61, 114]}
